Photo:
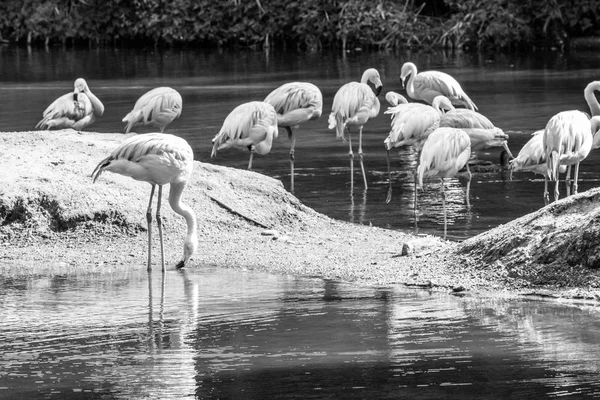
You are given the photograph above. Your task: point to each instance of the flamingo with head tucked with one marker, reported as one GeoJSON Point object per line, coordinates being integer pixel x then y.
{"type": "Point", "coordinates": [157, 107]}
{"type": "Point", "coordinates": [353, 105]}
{"type": "Point", "coordinates": [158, 159]}
{"type": "Point", "coordinates": [532, 157]}
{"type": "Point", "coordinates": [444, 153]}
{"type": "Point", "coordinates": [295, 103]}
{"type": "Point", "coordinates": [76, 110]}
{"type": "Point", "coordinates": [251, 125]}
{"type": "Point", "coordinates": [427, 85]}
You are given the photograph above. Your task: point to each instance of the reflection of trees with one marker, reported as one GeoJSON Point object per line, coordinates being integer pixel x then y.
{"type": "Point", "coordinates": [327, 340]}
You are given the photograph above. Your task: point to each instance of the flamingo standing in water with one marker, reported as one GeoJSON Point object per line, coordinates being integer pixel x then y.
{"type": "Point", "coordinates": [426, 86]}
{"type": "Point", "coordinates": [532, 158]}
{"type": "Point", "coordinates": [353, 105]}
{"type": "Point", "coordinates": [251, 125]}
{"type": "Point", "coordinates": [158, 159]}
{"type": "Point", "coordinates": [568, 139]}
{"type": "Point", "coordinates": [76, 110]}
{"type": "Point", "coordinates": [157, 107]}
{"type": "Point", "coordinates": [295, 104]}
{"type": "Point", "coordinates": [444, 153]}
{"type": "Point", "coordinates": [411, 125]}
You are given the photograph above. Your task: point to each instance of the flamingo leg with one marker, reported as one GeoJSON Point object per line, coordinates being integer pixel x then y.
{"type": "Point", "coordinates": [351, 154]}
{"type": "Point", "coordinates": [160, 231]}
{"type": "Point", "coordinates": [568, 181]}
{"type": "Point", "coordinates": [546, 194]}
{"type": "Point", "coordinates": [444, 207]}
{"type": "Point", "coordinates": [389, 193]}
{"type": "Point", "coordinates": [149, 220]}
{"type": "Point", "coordinates": [468, 185]}
{"type": "Point", "coordinates": [575, 178]}
{"type": "Point", "coordinates": [416, 179]}
{"type": "Point", "coordinates": [360, 156]}
{"type": "Point", "coordinates": [293, 146]}
{"type": "Point", "coordinates": [250, 161]}
{"type": "Point", "coordinates": [556, 187]}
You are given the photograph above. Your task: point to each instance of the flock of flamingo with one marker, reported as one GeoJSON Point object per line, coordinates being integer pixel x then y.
{"type": "Point", "coordinates": [443, 136]}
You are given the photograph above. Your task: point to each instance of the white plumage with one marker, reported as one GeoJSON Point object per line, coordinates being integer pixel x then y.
{"type": "Point", "coordinates": [353, 105]}
{"type": "Point", "coordinates": [76, 110]}
{"type": "Point", "coordinates": [567, 141]}
{"type": "Point", "coordinates": [158, 108]}
{"type": "Point", "coordinates": [444, 153]}
{"type": "Point", "coordinates": [158, 159]}
{"type": "Point", "coordinates": [427, 85]}
{"type": "Point", "coordinates": [295, 103]}
{"type": "Point", "coordinates": [251, 125]}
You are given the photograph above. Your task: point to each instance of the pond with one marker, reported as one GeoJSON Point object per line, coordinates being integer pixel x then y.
{"type": "Point", "coordinates": [518, 93]}
{"type": "Point", "coordinates": [226, 333]}
{"type": "Point", "coordinates": [219, 332]}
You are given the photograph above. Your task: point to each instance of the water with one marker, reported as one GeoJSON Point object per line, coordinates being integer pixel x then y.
{"type": "Point", "coordinates": [518, 93]}
{"type": "Point", "coordinates": [222, 333]}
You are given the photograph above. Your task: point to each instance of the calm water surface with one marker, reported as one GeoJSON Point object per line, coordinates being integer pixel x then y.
{"type": "Point", "coordinates": [217, 333]}
{"type": "Point", "coordinates": [518, 93]}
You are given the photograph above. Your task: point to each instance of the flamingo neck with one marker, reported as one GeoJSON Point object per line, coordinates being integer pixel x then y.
{"type": "Point", "coordinates": [191, 239]}
{"type": "Point", "coordinates": [595, 124]}
{"type": "Point", "coordinates": [410, 86]}
{"type": "Point", "coordinates": [590, 97]}
{"type": "Point", "coordinates": [96, 103]}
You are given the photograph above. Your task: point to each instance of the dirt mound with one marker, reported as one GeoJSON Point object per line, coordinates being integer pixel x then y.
{"type": "Point", "coordinates": [556, 245]}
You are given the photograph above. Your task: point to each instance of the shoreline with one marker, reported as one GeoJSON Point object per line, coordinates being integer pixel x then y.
{"type": "Point", "coordinates": [54, 220]}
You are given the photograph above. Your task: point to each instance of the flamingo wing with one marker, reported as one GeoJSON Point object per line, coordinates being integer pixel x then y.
{"type": "Point", "coordinates": [411, 124]}
{"type": "Point", "coordinates": [296, 103]}
{"type": "Point", "coordinates": [464, 118]}
{"type": "Point", "coordinates": [248, 124]}
{"type": "Point", "coordinates": [158, 107]}
{"type": "Point", "coordinates": [444, 153]}
{"type": "Point", "coordinates": [66, 111]}
{"type": "Point", "coordinates": [155, 157]}
{"type": "Point", "coordinates": [429, 84]}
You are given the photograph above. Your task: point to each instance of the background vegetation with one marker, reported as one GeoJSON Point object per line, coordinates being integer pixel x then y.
{"type": "Point", "coordinates": [306, 24]}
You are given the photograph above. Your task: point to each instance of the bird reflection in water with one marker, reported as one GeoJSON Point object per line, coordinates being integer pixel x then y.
{"type": "Point", "coordinates": [358, 211]}
{"type": "Point", "coordinates": [156, 338]}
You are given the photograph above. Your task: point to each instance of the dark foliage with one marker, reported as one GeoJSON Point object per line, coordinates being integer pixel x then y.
{"type": "Point", "coordinates": [306, 24]}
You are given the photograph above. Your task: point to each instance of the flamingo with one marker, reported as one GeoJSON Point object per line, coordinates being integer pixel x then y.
{"type": "Point", "coordinates": [481, 130]}
{"type": "Point", "coordinates": [252, 125]}
{"type": "Point", "coordinates": [157, 107]}
{"type": "Point", "coordinates": [353, 105]}
{"type": "Point", "coordinates": [427, 85]}
{"type": "Point", "coordinates": [295, 104]}
{"type": "Point", "coordinates": [411, 125]}
{"type": "Point", "coordinates": [568, 139]}
{"type": "Point", "coordinates": [532, 158]}
{"type": "Point", "coordinates": [158, 159]}
{"type": "Point", "coordinates": [444, 153]}
{"type": "Point", "coordinates": [76, 110]}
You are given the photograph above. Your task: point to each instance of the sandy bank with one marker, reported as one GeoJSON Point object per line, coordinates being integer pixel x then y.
{"type": "Point", "coordinates": [54, 220]}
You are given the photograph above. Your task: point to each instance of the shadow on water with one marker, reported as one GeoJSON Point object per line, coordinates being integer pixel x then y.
{"type": "Point", "coordinates": [519, 93]}
{"type": "Point", "coordinates": [229, 334]}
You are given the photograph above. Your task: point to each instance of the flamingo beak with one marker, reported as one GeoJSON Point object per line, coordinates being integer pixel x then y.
{"type": "Point", "coordinates": [378, 90]}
